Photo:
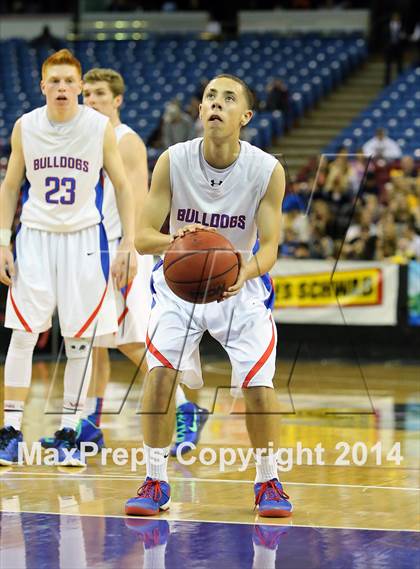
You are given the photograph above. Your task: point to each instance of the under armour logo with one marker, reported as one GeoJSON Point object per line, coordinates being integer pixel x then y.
{"type": "Point", "coordinates": [213, 182]}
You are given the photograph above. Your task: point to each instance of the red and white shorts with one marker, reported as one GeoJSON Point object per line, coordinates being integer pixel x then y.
{"type": "Point", "coordinates": [133, 304]}
{"type": "Point", "coordinates": [243, 325]}
{"type": "Point", "coordinates": [67, 271]}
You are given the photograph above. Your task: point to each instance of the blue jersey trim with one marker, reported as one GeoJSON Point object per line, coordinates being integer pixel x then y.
{"type": "Point", "coordinates": [99, 190]}
{"type": "Point", "coordinates": [104, 248]}
{"type": "Point", "coordinates": [267, 280]}
{"type": "Point", "coordinates": [152, 286]}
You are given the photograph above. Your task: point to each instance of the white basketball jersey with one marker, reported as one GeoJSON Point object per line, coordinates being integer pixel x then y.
{"type": "Point", "coordinates": [110, 210]}
{"type": "Point", "coordinates": [64, 187]}
{"type": "Point", "coordinates": [230, 207]}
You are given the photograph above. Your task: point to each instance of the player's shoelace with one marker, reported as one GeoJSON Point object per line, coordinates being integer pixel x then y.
{"type": "Point", "coordinates": [181, 427]}
{"type": "Point", "coordinates": [67, 437]}
{"type": "Point", "coordinates": [273, 492]}
{"type": "Point", "coordinates": [150, 489]}
{"type": "Point", "coordinates": [6, 435]}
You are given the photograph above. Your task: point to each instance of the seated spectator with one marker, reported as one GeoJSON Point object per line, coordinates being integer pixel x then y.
{"type": "Point", "coordinates": [278, 99]}
{"type": "Point", "coordinates": [293, 218]}
{"type": "Point", "coordinates": [46, 39]}
{"type": "Point", "coordinates": [321, 246]}
{"type": "Point", "coordinates": [177, 125]}
{"type": "Point", "coordinates": [277, 96]}
{"type": "Point", "coordinates": [386, 245]}
{"type": "Point", "coordinates": [364, 223]}
{"type": "Point", "coordinates": [357, 170]}
{"type": "Point", "coordinates": [289, 243]}
{"type": "Point", "coordinates": [406, 177]}
{"type": "Point", "coordinates": [408, 245]}
{"type": "Point", "coordinates": [371, 186]}
{"type": "Point", "coordinates": [338, 176]}
{"type": "Point", "coordinates": [381, 146]}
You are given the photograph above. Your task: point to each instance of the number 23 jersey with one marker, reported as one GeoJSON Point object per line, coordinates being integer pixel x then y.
{"type": "Point", "coordinates": [63, 191]}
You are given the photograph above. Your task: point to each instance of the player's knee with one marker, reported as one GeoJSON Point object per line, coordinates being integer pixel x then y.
{"type": "Point", "coordinates": [22, 342]}
{"type": "Point", "coordinates": [256, 398]}
{"type": "Point", "coordinates": [161, 387]}
{"type": "Point", "coordinates": [76, 348]}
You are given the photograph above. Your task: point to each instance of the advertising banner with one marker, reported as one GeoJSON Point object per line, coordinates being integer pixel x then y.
{"type": "Point", "coordinates": [355, 293]}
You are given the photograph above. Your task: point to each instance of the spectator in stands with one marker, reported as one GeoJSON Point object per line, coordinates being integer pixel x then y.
{"type": "Point", "coordinates": [405, 178]}
{"type": "Point", "coordinates": [321, 246]}
{"type": "Point", "coordinates": [46, 39]}
{"type": "Point", "coordinates": [386, 245]}
{"type": "Point", "coordinates": [382, 146]}
{"type": "Point", "coordinates": [294, 218]}
{"type": "Point", "coordinates": [394, 46]}
{"type": "Point", "coordinates": [360, 241]}
{"type": "Point", "coordinates": [357, 170]}
{"type": "Point", "coordinates": [177, 125]}
{"type": "Point", "coordinates": [338, 176]}
{"type": "Point", "coordinates": [278, 98]}
{"type": "Point", "coordinates": [408, 245]}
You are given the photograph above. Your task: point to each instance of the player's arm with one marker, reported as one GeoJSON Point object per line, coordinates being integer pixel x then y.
{"type": "Point", "coordinates": [134, 156]}
{"type": "Point", "coordinates": [9, 196]}
{"type": "Point", "coordinates": [149, 239]}
{"type": "Point", "coordinates": [269, 227]}
{"type": "Point", "coordinates": [124, 266]}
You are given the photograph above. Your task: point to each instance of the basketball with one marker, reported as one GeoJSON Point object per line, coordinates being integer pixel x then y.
{"type": "Point", "coordinates": [200, 266]}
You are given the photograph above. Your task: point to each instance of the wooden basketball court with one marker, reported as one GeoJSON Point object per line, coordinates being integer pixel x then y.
{"type": "Point", "coordinates": [364, 513]}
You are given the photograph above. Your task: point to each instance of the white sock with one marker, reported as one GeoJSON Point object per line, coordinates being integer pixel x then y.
{"type": "Point", "coordinates": [13, 414]}
{"type": "Point", "coordinates": [264, 557]}
{"type": "Point", "coordinates": [17, 373]}
{"type": "Point", "coordinates": [156, 462]}
{"type": "Point", "coordinates": [180, 398]}
{"type": "Point", "coordinates": [154, 557]}
{"type": "Point", "coordinates": [90, 406]}
{"type": "Point", "coordinates": [266, 467]}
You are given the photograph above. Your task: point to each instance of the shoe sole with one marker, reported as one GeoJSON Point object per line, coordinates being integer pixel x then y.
{"type": "Point", "coordinates": [275, 513]}
{"type": "Point", "coordinates": [139, 511]}
{"type": "Point", "coordinates": [71, 463]}
{"type": "Point", "coordinates": [4, 462]}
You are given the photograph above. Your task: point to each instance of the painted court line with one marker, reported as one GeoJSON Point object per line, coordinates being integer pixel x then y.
{"type": "Point", "coordinates": [52, 475]}
{"type": "Point", "coordinates": [257, 521]}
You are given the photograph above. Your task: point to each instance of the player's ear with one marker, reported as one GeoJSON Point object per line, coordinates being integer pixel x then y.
{"type": "Point", "coordinates": [42, 85]}
{"type": "Point", "coordinates": [246, 117]}
{"type": "Point", "coordinates": [200, 106]}
{"type": "Point", "coordinates": [118, 101]}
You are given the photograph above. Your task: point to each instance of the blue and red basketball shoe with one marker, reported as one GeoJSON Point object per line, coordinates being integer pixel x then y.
{"type": "Point", "coordinates": [190, 420]}
{"type": "Point", "coordinates": [271, 500]}
{"type": "Point", "coordinates": [269, 536]}
{"type": "Point", "coordinates": [151, 532]}
{"type": "Point", "coordinates": [152, 497]}
{"type": "Point", "coordinates": [9, 445]}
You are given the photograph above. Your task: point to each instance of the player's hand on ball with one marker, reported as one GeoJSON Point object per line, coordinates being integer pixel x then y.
{"type": "Point", "coordinates": [124, 266]}
{"type": "Point", "coordinates": [7, 266]}
{"type": "Point", "coordinates": [240, 281]}
{"type": "Point", "coordinates": [191, 229]}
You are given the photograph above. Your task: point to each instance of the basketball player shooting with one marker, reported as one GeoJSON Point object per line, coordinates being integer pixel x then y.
{"type": "Point", "coordinates": [246, 198]}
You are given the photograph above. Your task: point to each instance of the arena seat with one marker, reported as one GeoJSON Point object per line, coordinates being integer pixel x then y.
{"type": "Point", "coordinates": [163, 67]}
{"type": "Point", "coordinates": [397, 108]}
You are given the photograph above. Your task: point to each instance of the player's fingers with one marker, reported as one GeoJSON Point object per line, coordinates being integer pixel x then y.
{"type": "Point", "coordinates": [11, 267]}
{"type": "Point", "coordinates": [4, 278]}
